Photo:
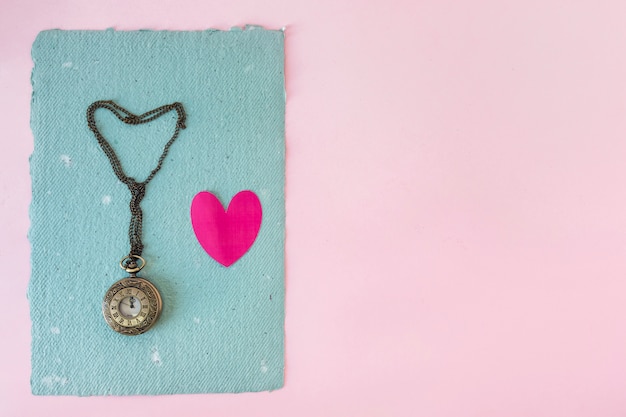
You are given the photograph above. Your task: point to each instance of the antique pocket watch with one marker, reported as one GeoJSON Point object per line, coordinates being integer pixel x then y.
{"type": "Point", "coordinates": [132, 305]}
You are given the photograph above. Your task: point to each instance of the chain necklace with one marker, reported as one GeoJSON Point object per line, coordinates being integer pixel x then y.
{"type": "Point", "coordinates": [132, 305]}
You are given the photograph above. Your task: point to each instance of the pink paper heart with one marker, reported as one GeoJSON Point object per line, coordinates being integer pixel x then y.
{"type": "Point", "coordinates": [226, 235]}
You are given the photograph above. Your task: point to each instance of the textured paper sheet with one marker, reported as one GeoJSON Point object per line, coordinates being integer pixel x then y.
{"type": "Point", "coordinates": [221, 329]}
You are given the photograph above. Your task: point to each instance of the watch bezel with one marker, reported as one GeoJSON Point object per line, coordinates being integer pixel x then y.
{"type": "Point", "coordinates": [155, 305]}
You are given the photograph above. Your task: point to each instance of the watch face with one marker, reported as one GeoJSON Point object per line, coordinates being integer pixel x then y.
{"type": "Point", "coordinates": [131, 306]}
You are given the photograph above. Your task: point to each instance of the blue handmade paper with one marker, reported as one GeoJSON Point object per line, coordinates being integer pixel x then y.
{"type": "Point", "coordinates": [221, 329]}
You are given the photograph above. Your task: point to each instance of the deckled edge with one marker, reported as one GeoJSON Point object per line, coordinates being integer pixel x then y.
{"type": "Point", "coordinates": [244, 28]}
{"type": "Point", "coordinates": [30, 208]}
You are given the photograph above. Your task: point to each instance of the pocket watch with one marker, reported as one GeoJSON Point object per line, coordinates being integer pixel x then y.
{"type": "Point", "coordinates": [132, 305]}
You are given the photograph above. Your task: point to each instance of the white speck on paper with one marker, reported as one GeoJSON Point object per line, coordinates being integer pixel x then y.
{"type": "Point", "coordinates": [106, 200]}
{"type": "Point", "coordinates": [66, 160]}
{"type": "Point", "coordinates": [248, 68]}
{"type": "Point", "coordinates": [265, 192]}
{"type": "Point", "coordinates": [48, 192]}
{"type": "Point", "coordinates": [196, 320]}
{"type": "Point", "coordinates": [57, 360]}
{"type": "Point", "coordinates": [55, 330]}
{"type": "Point", "coordinates": [263, 366]}
{"type": "Point", "coordinates": [71, 297]}
{"type": "Point", "coordinates": [52, 380]}
{"type": "Point", "coordinates": [67, 64]}
{"type": "Point", "coordinates": [156, 358]}
{"type": "Point", "coordinates": [267, 277]}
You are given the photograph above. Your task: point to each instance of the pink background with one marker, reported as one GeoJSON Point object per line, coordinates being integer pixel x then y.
{"type": "Point", "coordinates": [456, 198]}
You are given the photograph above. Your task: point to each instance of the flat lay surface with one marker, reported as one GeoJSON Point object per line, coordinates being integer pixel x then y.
{"type": "Point", "coordinates": [455, 206]}
{"type": "Point", "coordinates": [221, 329]}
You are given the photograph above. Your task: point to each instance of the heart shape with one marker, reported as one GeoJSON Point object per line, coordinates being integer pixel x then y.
{"type": "Point", "coordinates": [226, 235]}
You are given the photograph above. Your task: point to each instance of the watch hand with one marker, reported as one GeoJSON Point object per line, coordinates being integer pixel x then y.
{"type": "Point", "coordinates": [132, 302]}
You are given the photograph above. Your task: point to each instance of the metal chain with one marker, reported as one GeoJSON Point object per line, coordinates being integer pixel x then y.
{"type": "Point", "coordinates": [137, 189]}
